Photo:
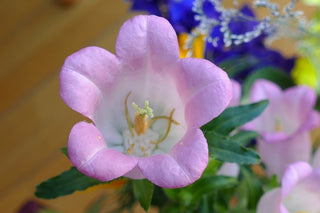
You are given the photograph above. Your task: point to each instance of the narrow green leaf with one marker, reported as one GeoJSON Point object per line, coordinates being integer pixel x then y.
{"type": "Point", "coordinates": [204, 205]}
{"type": "Point", "coordinates": [143, 191]}
{"type": "Point", "coordinates": [224, 149]}
{"type": "Point", "coordinates": [64, 184]}
{"type": "Point", "coordinates": [253, 187]}
{"type": "Point", "coordinates": [64, 150]}
{"type": "Point", "coordinates": [234, 117]}
{"type": "Point", "coordinates": [244, 137]}
{"type": "Point", "coordinates": [273, 74]}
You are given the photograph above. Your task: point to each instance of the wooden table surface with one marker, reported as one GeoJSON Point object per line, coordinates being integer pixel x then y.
{"type": "Point", "coordinates": [35, 38]}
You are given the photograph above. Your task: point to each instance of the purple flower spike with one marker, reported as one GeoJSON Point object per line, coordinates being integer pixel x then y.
{"type": "Point", "coordinates": [285, 124]}
{"type": "Point", "coordinates": [299, 192]}
{"type": "Point", "coordinates": [146, 105]}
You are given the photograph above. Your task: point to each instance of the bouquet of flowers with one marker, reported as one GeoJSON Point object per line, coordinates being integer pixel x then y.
{"type": "Point", "coordinates": [195, 112]}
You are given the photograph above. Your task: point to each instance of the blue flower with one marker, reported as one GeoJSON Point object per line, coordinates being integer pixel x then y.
{"type": "Point", "coordinates": [150, 6]}
{"type": "Point", "coordinates": [179, 13]}
{"type": "Point", "coordinates": [253, 54]}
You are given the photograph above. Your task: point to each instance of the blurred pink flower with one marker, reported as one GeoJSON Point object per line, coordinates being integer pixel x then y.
{"type": "Point", "coordinates": [236, 88]}
{"type": "Point", "coordinates": [169, 149]}
{"type": "Point", "coordinates": [299, 192]}
{"type": "Point", "coordinates": [284, 125]}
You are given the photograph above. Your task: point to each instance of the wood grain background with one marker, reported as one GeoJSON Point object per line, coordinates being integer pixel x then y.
{"type": "Point", "coordinates": [35, 38]}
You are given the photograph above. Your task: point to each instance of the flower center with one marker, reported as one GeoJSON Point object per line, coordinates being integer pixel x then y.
{"type": "Point", "coordinates": [278, 126]}
{"type": "Point", "coordinates": [140, 140]}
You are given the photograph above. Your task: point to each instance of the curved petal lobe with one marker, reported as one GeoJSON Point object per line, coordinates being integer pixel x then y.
{"type": "Point", "coordinates": [294, 173]}
{"type": "Point", "coordinates": [89, 153]}
{"type": "Point", "coordinates": [270, 202]}
{"type": "Point", "coordinates": [206, 89]}
{"type": "Point", "coordinates": [84, 76]}
{"type": "Point", "coordinates": [182, 166]}
{"type": "Point", "coordinates": [145, 41]}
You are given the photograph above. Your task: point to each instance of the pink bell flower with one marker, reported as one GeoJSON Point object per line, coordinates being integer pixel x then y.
{"type": "Point", "coordinates": [236, 90]}
{"type": "Point", "coordinates": [284, 125]}
{"type": "Point", "coordinates": [299, 192]}
{"type": "Point", "coordinates": [161, 141]}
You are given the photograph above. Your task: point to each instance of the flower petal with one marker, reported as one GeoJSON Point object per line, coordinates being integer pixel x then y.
{"type": "Point", "coordinates": [270, 202]}
{"type": "Point", "coordinates": [182, 166]}
{"type": "Point", "coordinates": [261, 90]}
{"type": "Point", "coordinates": [294, 173]}
{"type": "Point", "coordinates": [279, 154]}
{"type": "Point", "coordinates": [236, 91]}
{"type": "Point", "coordinates": [300, 101]}
{"type": "Point", "coordinates": [145, 39]}
{"type": "Point", "coordinates": [316, 159]}
{"type": "Point", "coordinates": [83, 77]}
{"type": "Point", "coordinates": [89, 153]}
{"type": "Point", "coordinates": [206, 89]}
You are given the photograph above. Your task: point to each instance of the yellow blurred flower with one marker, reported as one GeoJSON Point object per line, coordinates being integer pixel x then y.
{"type": "Point", "coordinates": [305, 73]}
{"type": "Point", "coordinates": [197, 50]}
{"type": "Point", "coordinates": [312, 2]}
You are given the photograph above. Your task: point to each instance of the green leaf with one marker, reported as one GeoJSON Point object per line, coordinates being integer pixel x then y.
{"type": "Point", "coordinates": [244, 137]}
{"type": "Point", "coordinates": [64, 150]}
{"type": "Point", "coordinates": [224, 149]}
{"type": "Point", "coordinates": [253, 187]}
{"type": "Point", "coordinates": [143, 191]}
{"type": "Point", "coordinates": [234, 117]}
{"type": "Point", "coordinates": [196, 191]}
{"type": "Point", "coordinates": [64, 184]}
{"type": "Point", "coordinates": [273, 74]}
{"type": "Point", "coordinates": [212, 168]}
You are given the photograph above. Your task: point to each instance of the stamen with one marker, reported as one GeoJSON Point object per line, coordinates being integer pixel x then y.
{"type": "Point", "coordinates": [129, 151]}
{"type": "Point", "coordinates": [127, 115]}
{"type": "Point", "coordinates": [162, 117]}
{"type": "Point", "coordinates": [167, 131]}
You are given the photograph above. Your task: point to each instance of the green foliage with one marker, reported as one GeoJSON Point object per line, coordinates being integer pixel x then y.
{"type": "Point", "coordinates": [64, 184]}
{"type": "Point", "coordinates": [189, 197]}
{"type": "Point", "coordinates": [212, 168]}
{"type": "Point", "coordinates": [225, 149]}
{"type": "Point", "coordinates": [64, 150]}
{"type": "Point", "coordinates": [244, 137]}
{"type": "Point", "coordinates": [143, 191]}
{"type": "Point", "coordinates": [234, 117]}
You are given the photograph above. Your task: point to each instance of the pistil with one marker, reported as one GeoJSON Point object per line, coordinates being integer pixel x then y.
{"type": "Point", "coordinates": [278, 127]}
{"type": "Point", "coordinates": [141, 124]}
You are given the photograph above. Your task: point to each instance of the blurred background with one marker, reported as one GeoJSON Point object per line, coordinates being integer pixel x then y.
{"type": "Point", "coordinates": [35, 38]}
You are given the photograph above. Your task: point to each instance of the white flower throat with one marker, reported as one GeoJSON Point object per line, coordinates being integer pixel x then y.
{"type": "Point", "coordinates": [140, 140]}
